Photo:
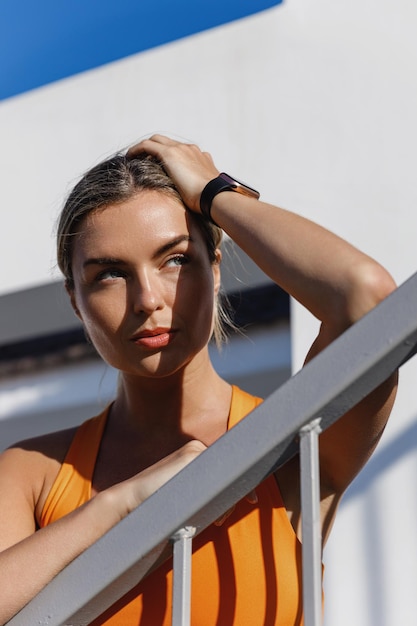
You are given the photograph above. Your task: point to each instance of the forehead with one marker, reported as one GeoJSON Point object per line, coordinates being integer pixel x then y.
{"type": "Point", "coordinates": [147, 219]}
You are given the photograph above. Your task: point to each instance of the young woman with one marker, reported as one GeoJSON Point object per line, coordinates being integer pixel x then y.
{"type": "Point", "coordinates": [142, 270]}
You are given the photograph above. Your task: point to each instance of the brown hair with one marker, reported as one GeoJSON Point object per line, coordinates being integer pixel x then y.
{"type": "Point", "coordinates": [115, 180]}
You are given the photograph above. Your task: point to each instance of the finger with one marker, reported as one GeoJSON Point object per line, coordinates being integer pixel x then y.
{"type": "Point", "coordinates": [167, 141]}
{"type": "Point", "coordinates": [143, 146]}
{"type": "Point", "coordinates": [150, 145]}
{"type": "Point", "coordinates": [224, 517]}
{"type": "Point", "coordinates": [252, 497]}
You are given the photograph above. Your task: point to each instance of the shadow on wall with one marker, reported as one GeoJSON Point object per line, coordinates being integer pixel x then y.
{"type": "Point", "coordinates": [403, 445]}
{"type": "Point", "coordinates": [387, 549]}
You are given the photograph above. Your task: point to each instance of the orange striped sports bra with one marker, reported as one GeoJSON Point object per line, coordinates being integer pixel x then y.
{"type": "Point", "coordinates": [246, 572]}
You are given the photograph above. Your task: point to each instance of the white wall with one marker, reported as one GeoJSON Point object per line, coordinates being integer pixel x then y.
{"type": "Point", "coordinates": [314, 103]}
{"type": "Point", "coordinates": [357, 116]}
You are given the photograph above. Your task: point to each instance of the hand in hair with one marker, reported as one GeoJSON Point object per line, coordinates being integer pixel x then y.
{"type": "Point", "coordinates": [189, 167]}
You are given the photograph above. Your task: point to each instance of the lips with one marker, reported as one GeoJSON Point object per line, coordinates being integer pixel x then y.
{"type": "Point", "coordinates": [154, 337]}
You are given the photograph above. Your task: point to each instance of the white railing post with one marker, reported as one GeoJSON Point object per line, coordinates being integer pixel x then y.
{"type": "Point", "coordinates": [181, 592]}
{"type": "Point", "coordinates": [311, 523]}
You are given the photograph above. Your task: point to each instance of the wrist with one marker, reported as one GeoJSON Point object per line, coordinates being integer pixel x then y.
{"type": "Point", "coordinates": [110, 507]}
{"type": "Point", "coordinates": [221, 183]}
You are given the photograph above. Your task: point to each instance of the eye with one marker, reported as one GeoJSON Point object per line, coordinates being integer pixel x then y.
{"type": "Point", "coordinates": [110, 274]}
{"type": "Point", "coordinates": [178, 260]}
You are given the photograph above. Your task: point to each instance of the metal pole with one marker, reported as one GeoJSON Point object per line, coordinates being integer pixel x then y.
{"type": "Point", "coordinates": [181, 593]}
{"type": "Point", "coordinates": [311, 523]}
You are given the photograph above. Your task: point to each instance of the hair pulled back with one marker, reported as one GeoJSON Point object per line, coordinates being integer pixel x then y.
{"type": "Point", "coordinates": [116, 180]}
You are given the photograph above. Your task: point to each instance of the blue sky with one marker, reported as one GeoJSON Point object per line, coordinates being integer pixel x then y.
{"type": "Point", "coordinates": [44, 41]}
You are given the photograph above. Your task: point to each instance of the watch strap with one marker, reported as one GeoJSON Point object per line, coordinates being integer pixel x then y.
{"type": "Point", "coordinates": [223, 182]}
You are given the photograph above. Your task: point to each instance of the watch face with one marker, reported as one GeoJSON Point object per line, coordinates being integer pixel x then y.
{"type": "Point", "coordinates": [240, 187]}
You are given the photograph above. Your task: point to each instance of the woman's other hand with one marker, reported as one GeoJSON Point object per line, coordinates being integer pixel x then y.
{"type": "Point", "coordinates": [132, 492]}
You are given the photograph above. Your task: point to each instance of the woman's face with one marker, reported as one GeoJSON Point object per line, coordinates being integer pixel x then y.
{"type": "Point", "coordinates": [144, 286]}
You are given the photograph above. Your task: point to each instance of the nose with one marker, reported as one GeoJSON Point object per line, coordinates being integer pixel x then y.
{"type": "Point", "coordinates": [146, 294]}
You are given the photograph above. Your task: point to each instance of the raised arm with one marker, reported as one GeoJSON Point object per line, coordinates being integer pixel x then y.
{"type": "Point", "coordinates": [330, 277]}
{"type": "Point", "coordinates": [335, 281]}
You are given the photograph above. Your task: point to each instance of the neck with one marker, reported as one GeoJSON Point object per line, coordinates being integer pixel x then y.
{"type": "Point", "coordinates": [192, 403]}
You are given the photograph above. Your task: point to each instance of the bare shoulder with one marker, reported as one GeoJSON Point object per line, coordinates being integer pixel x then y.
{"type": "Point", "coordinates": [28, 469]}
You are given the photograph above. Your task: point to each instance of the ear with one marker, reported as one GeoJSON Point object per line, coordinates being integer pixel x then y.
{"type": "Point", "coordinates": [217, 271]}
{"type": "Point", "coordinates": [71, 294]}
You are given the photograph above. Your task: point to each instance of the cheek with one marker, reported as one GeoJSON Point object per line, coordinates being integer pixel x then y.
{"type": "Point", "coordinates": [102, 316]}
{"type": "Point", "coordinates": [103, 328]}
{"type": "Point", "coordinates": [201, 306]}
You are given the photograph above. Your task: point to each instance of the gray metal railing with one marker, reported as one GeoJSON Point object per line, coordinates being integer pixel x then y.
{"type": "Point", "coordinates": [287, 421]}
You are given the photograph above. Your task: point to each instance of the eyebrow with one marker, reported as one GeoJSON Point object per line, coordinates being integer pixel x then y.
{"type": "Point", "coordinates": [159, 252]}
{"type": "Point", "coordinates": [171, 244]}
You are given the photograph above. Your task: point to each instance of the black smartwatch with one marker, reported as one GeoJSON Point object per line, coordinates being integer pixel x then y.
{"type": "Point", "coordinates": [223, 182]}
